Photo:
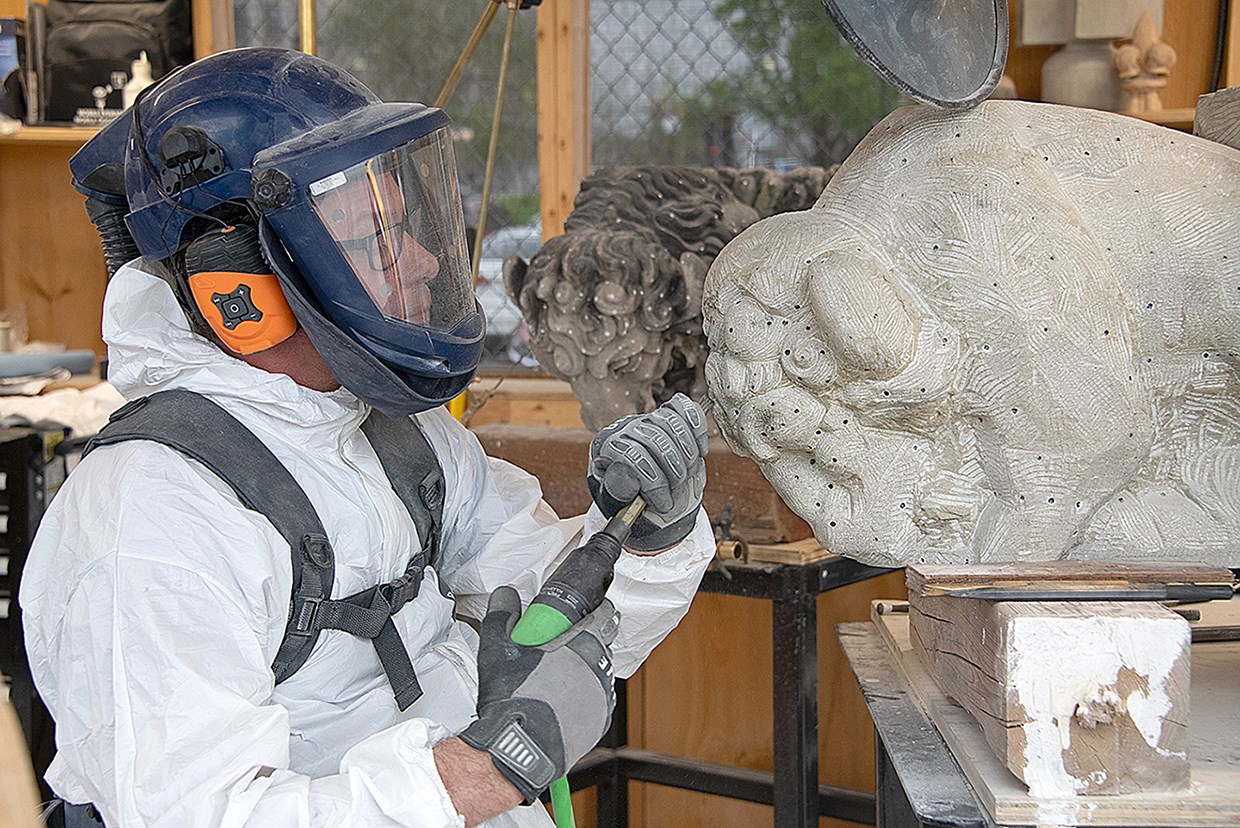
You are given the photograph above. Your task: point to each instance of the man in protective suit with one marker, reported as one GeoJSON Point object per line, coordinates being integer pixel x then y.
{"type": "Point", "coordinates": [303, 269]}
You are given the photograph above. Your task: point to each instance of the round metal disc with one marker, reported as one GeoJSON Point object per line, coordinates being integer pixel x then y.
{"type": "Point", "coordinates": [947, 53]}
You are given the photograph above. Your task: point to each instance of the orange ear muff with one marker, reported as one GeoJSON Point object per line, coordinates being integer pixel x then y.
{"type": "Point", "coordinates": [247, 311]}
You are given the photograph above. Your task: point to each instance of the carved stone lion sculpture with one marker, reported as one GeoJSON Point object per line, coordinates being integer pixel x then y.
{"type": "Point", "coordinates": [614, 304]}
{"type": "Point", "coordinates": [1010, 333]}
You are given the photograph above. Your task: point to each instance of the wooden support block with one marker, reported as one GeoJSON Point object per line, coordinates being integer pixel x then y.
{"type": "Point", "coordinates": [1212, 800]}
{"type": "Point", "coordinates": [807, 550]}
{"type": "Point", "coordinates": [1075, 698]}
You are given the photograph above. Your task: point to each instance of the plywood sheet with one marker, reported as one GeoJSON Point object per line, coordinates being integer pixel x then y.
{"type": "Point", "coordinates": [1088, 580]}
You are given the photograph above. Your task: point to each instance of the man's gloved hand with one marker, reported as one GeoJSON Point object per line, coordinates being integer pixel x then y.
{"type": "Point", "coordinates": [540, 709]}
{"type": "Point", "coordinates": [661, 456]}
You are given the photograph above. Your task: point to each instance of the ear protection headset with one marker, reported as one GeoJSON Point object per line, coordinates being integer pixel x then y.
{"type": "Point", "coordinates": [234, 290]}
{"type": "Point", "coordinates": [228, 281]}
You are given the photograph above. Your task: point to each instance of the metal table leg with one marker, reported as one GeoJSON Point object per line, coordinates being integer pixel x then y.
{"type": "Point", "coordinates": [613, 787]}
{"type": "Point", "coordinates": [918, 781]}
{"type": "Point", "coordinates": [894, 810]}
{"type": "Point", "coordinates": [795, 645]}
{"type": "Point", "coordinates": [792, 788]}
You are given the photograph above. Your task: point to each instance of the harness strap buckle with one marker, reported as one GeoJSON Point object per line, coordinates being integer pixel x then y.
{"type": "Point", "coordinates": [403, 589]}
{"type": "Point", "coordinates": [307, 614]}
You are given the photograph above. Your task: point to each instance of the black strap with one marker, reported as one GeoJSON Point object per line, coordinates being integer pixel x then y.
{"type": "Point", "coordinates": [413, 470]}
{"type": "Point", "coordinates": [62, 814]}
{"type": "Point", "coordinates": [202, 430]}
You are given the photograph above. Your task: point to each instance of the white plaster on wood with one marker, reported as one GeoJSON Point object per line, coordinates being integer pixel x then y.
{"type": "Point", "coordinates": [1064, 669]}
{"type": "Point", "coordinates": [1009, 333]}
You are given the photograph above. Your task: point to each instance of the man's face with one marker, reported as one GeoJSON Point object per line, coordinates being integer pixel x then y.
{"type": "Point", "coordinates": [377, 232]}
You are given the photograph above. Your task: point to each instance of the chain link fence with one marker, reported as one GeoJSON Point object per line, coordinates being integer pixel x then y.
{"type": "Point", "coordinates": [405, 51]}
{"type": "Point", "coordinates": [725, 83]}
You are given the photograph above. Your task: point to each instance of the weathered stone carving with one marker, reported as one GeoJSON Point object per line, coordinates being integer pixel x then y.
{"type": "Point", "coordinates": [1218, 117]}
{"type": "Point", "coordinates": [1143, 66]}
{"type": "Point", "coordinates": [614, 304]}
{"type": "Point", "coordinates": [1010, 333]}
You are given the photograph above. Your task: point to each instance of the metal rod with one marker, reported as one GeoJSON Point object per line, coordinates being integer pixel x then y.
{"type": "Point", "coordinates": [1088, 592]}
{"type": "Point", "coordinates": [513, 6]}
{"type": "Point", "coordinates": [640, 765]}
{"type": "Point", "coordinates": [454, 77]}
{"type": "Point", "coordinates": [307, 26]}
{"type": "Point", "coordinates": [621, 523]}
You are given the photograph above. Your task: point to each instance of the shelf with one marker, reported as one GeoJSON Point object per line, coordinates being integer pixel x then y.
{"type": "Point", "coordinates": [50, 135]}
{"type": "Point", "coordinates": [1174, 118]}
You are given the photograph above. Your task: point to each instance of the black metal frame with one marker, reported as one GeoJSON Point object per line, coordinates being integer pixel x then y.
{"type": "Point", "coordinates": [793, 787]}
{"type": "Point", "coordinates": [30, 474]}
{"type": "Point", "coordinates": [918, 781]}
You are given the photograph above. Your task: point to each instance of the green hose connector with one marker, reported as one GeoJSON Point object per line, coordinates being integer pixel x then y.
{"type": "Point", "coordinates": [578, 585]}
{"type": "Point", "coordinates": [562, 803]}
{"type": "Point", "coordinates": [538, 625]}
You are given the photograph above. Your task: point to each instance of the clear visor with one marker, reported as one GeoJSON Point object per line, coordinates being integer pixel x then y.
{"type": "Point", "coordinates": [396, 219]}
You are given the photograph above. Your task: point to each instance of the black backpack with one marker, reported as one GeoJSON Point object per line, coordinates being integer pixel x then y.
{"type": "Point", "coordinates": [90, 44]}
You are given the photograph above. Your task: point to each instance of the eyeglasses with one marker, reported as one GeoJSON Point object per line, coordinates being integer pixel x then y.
{"type": "Point", "coordinates": [384, 246]}
{"type": "Point", "coordinates": [371, 199]}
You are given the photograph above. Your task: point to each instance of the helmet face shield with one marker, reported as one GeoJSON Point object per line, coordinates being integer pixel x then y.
{"type": "Point", "coordinates": [368, 211]}
{"type": "Point", "coordinates": [396, 221]}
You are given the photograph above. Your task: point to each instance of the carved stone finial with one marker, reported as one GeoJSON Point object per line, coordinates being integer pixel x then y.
{"type": "Point", "coordinates": [1143, 67]}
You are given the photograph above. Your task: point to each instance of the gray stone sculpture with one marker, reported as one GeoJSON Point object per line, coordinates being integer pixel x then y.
{"type": "Point", "coordinates": [614, 304]}
{"type": "Point", "coordinates": [1010, 333]}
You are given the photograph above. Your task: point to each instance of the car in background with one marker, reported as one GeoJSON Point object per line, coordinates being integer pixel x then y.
{"type": "Point", "coordinates": [507, 339]}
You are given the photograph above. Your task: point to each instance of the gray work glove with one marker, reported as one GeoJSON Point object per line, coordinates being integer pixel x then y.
{"type": "Point", "coordinates": [540, 709]}
{"type": "Point", "coordinates": [661, 456]}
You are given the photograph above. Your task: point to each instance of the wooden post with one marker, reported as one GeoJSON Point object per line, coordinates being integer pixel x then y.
{"type": "Point", "coordinates": [213, 27]}
{"type": "Point", "coordinates": [1231, 60]}
{"type": "Point", "coordinates": [563, 107]}
{"type": "Point", "coordinates": [19, 806]}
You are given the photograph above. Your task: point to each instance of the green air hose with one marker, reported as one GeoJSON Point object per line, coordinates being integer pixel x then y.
{"type": "Point", "coordinates": [573, 591]}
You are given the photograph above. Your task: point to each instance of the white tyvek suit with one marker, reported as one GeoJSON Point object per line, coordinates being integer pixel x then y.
{"type": "Point", "coordinates": [154, 604]}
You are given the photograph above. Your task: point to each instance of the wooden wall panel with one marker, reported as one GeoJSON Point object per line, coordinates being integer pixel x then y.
{"type": "Point", "coordinates": [563, 107]}
{"type": "Point", "coordinates": [1231, 65]}
{"type": "Point", "coordinates": [1024, 63]}
{"type": "Point", "coordinates": [51, 262]}
{"type": "Point", "coordinates": [1191, 27]}
{"type": "Point", "coordinates": [213, 27]}
{"type": "Point", "coordinates": [1188, 25]}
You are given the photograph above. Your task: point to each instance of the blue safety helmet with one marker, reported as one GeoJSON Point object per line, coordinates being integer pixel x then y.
{"type": "Point", "coordinates": [356, 203]}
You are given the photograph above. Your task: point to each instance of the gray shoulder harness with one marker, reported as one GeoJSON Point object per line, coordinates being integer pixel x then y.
{"type": "Point", "coordinates": [200, 429]}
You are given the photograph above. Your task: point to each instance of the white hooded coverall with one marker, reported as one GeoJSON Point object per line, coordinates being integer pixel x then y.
{"type": "Point", "coordinates": [154, 605]}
